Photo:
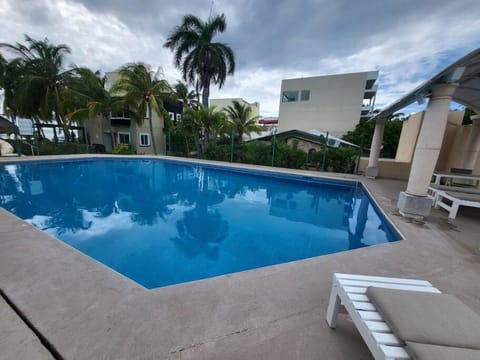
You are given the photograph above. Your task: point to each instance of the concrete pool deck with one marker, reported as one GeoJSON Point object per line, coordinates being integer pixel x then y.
{"type": "Point", "coordinates": [84, 310]}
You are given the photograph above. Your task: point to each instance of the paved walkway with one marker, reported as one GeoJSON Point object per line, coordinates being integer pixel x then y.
{"type": "Point", "coordinates": [88, 311]}
{"type": "Point", "coordinates": [17, 341]}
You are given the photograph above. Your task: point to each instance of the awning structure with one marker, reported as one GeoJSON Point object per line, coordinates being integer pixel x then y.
{"type": "Point", "coordinates": [465, 71]}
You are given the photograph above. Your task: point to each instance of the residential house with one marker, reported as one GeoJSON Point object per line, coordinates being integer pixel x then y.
{"type": "Point", "coordinates": [124, 130]}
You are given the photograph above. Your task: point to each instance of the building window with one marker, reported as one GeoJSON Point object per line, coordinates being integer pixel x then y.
{"type": "Point", "coordinates": [123, 138]}
{"type": "Point", "coordinates": [305, 95]}
{"type": "Point", "coordinates": [144, 139]}
{"type": "Point", "coordinates": [172, 116]}
{"type": "Point", "coordinates": [120, 114]}
{"type": "Point", "coordinates": [289, 96]}
{"type": "Point", "coordinates": [179, 117]}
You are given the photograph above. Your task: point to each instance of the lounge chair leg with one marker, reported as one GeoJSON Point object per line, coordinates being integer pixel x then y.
{"type": "Point", "coordinates": [453, 210]}
{"type": "Point", "coordinates": [333, 307]}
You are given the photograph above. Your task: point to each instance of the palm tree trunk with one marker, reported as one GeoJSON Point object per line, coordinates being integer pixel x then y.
{"type": "Point", "coordinates": [205, 93]}
{"type": "Point", "coordinates": [151, 128]}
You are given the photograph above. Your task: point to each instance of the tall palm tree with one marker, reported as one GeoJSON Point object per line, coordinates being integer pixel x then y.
{"type": "Point", "coordinates": [89, 97]}
{"type": "Point", "coordinates": [201, 60]}
{"type": "Point", "coordinates": [39, 90]}
{"type": "Point", "coordinates": [144, 92]}
{"type": "Point", "coordinates": [241, 119]}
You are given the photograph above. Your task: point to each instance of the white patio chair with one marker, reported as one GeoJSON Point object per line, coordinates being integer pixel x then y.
{"type": "Point", "coordinates": [349, 293]}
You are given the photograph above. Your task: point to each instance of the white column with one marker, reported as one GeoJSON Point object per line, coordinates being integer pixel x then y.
{"type": "Point", "coordinates": [414, 202]}
{"type": "Point", "coordinates": [372, 169]}
{"type": "Point", "coordinates": [473, 143]}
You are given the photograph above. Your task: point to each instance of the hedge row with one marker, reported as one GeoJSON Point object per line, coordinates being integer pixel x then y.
{"type": "Point", "coordinates": [342, 160]}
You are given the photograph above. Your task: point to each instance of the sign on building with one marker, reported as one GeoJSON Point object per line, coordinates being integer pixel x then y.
{"type": "Point", "coordinates": [25, 126]}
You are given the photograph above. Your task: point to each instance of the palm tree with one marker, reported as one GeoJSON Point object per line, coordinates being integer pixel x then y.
{"type": "Point", "coordinates": [201, 60]}
{"type": "Point", "coordinates": [39, 90]}
{"type": "Point", "coordinates": [213, 123]}
{"type": "Point", "coordinates": [241, 119]}
{"type": "Point", "coordinates": [188, 97]}
{"type": "Point", "coordinates": [144, 92]}
{"type": "Point", "coordinates": [89, 97]}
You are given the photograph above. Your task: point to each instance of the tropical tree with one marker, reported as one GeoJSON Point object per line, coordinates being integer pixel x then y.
{"type": "Point", "coordinates": [364, 132]}
{"type": "Point", "coordinates": [144, 92]}
{"type": "Point", "coordinates": [39, 89]}
{"type": "Point", "coordinates": [189, 98]}
{"type": "Point", "coordinates": [241, 119]}
{"type": "Point", "coordinates": [207, 122]}
{"type": "Point", "coordinates": [201, 60]}
{"type": "Point", "coordinates": [89, 97]}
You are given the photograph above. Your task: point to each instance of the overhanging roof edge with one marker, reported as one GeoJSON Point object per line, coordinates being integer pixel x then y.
{"type": "Point", "coordinates": [423, 88]}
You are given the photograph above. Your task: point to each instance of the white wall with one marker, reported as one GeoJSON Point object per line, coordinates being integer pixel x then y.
{"type": "Point", "coordinates": [335, 103]}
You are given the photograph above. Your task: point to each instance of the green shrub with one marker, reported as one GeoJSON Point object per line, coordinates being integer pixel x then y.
{"type": "Point", "coordinates": [218, 152]}
{"type": "Point", "coordinates": [342, 159]}
{"type": "Point", "coordinates": [180, 144]}
{"type": "Point", "coordinates": [289, 156]}
{"type": "Point", "coordinates": [122, 149]}
{"type": "Point", "coordinates": [254, 152]}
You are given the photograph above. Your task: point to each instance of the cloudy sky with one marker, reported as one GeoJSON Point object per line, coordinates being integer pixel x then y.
{"type": "Point", "coordinates": [407, 40]}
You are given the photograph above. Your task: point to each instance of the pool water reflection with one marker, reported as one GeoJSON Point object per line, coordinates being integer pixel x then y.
{"type": "Point", "coordinates": [161, 223]}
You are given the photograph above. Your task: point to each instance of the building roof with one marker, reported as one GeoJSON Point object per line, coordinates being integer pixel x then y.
{"type": "Point", "coordinates": [465, 72]}
{"type": "Point", "coordinates": [312, 136]}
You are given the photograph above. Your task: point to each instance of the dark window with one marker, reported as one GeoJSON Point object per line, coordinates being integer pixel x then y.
{"type": "Point", "coordinates": [124, 138]}
{"type": "Point", "coordinates": [305, 95]}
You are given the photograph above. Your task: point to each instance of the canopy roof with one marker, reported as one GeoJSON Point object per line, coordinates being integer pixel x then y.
{"type": "Point", "coordinates": [465, 71]}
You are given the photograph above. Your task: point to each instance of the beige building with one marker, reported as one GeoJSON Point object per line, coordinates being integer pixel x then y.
{"type": "Point", "coordinates": [223, 103]}
{"type": "Point", "coordinates": [331, 103]}
{"type": "Point", "coordinates": [124, 130]}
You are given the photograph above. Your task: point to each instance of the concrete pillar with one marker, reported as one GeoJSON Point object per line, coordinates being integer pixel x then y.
{"type": "Point", "coordinates": [372, 168]}
{"type": "Point", "coordinates": [414, 201]}
{"type": "Point", "coordinates": [473, 143]}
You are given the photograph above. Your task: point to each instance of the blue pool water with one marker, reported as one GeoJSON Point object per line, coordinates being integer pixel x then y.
{"type": "Point", "coordinates": [161, 223]}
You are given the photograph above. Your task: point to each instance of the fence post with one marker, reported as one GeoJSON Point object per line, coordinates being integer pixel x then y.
{"type": "Point", "coordinates": [85, 138]}
{"type": "Point", "coordinates": [274, 143]}
{"type": "Point", "coordinates": [231, 149]}
{"type": "Point", "coordinates": [325, 153]}
{"type": "Point", "coordinates": [360, 152]}
{"type": "Point", "coordinates": [169, 142]}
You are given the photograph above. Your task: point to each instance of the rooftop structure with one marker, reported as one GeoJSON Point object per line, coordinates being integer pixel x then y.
{"type": "Point", "coordinates": [332, 103]}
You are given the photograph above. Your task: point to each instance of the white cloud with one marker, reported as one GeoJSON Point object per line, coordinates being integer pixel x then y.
{"type": "Point", "coordinates": [406, 50]}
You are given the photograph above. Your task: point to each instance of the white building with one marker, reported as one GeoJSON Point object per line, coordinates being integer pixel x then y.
{"type": "Point", "coordinates": [332, 103]}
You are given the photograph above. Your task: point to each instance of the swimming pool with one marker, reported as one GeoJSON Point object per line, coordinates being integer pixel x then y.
{"type": "Point", "coordinates": [162, 222]}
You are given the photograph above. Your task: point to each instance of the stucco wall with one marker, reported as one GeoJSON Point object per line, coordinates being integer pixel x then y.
{"type": "Point", "coordinates": [454, 143]}
{"type": "Point", "coordinates": [388, 168]}
{"type": "Point", "coordinates": [335, 103]}
{"type": "Point", "coordinates": [408, 137]}
{"type": "Point", "coordinates": [451, 154]}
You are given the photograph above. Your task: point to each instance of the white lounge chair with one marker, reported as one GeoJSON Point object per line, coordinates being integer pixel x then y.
{"type": "Point", "coordinates": [435, 189]}
{"type": "Point", "coordinates": [452, 200]}
{"type": "Point", "coordinates": [349, 293]}
{"type": "Point", "coordinates": [406, 319]}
